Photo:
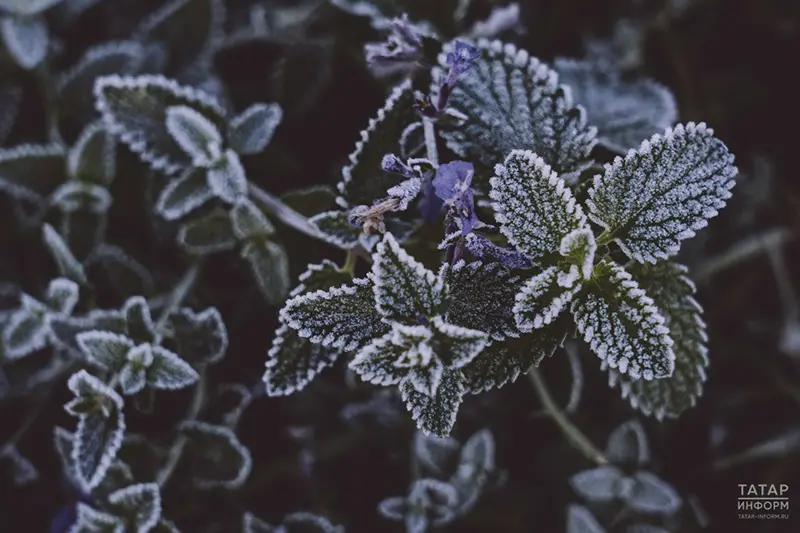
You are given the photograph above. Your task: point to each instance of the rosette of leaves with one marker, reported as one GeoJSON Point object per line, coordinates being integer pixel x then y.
{"type": "Point", "coordinates": [24, 31]}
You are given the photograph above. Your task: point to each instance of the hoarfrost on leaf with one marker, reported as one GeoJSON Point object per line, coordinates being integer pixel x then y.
{"type": "Point", "coordinates": [138, 320]}
{"type": "Point", "coordinates": [661, 194]}
{"type": "Point", "coordinates": [600, 484]}
{"type": "Point", "coordinates": [209, 234]}
{"type": "Point", "coordinates": [252, 130]}
{"type": "Point", "coordinates": [200, 338]}
{"type": "Point", "coordinates": [337, 229]}
{"type": "Point", "coordinates": [650, 494]}
{"type": "Point", "coordinates": [627, 444]}
{"type": "Point", "coordinates": [227, 178]}
{"type": "Point", "coordinates": [92, 159]}
{"type": "Point", "coordinates": [622, 325]}
{"type": "Point", "coordinates": [169, 372]}
{"type": "Point", "coordinates": [104, 348]}
{"type": "Point", "coordinates": [195, 134]}
{"type": "Point", "coordinates": [218, 459]}
{"type": "Point", "coordinates": [31, 171]}
{"type": "Point", "coordinates": [68, 266]}
{"type": "Point", "coordinates": [26, 38]}
{"type": "Point", "coordinates": [292, 362]}
{"type": "Point", "coordinates": [429, 503]}
{"type": "Point", "coordinates": [269, 263]}
{"type": "Point", "coordinates": [433, 452]}
{"type": "Point", "coordinates": [90, 520]}
{"type": "Point", "coordinates": [435, 414]}
{"type": "Point", "coordinates": [140, 505]}
{"type": "Point", "coordinates": [184, 194]}
{"type": "Point", "coordinates": [542, 299]}
{"type": "Point", "coordinates": [249, 221]}
{"type": "Point", "coordinates": [581, 520]}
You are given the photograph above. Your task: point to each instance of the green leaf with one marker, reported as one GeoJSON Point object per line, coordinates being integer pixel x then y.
{"type": "Point", "coordinates": [99, 434]}
{"type": "Point", "coordinates": [252, 130]}
{"type": "Point", "coordinates": [184, 194]}
{"type": "Point", "coordinates": [139, 504]}
{"type": "Point", "coordinates": [535, 208]}
{"type": "Point", "coordinates": [435, 414]}
{"type": "Point", "coordinates": [542, 299]}
{"type": "Point", "coordinates": [64, 330]}
{"type": "Point", "coordinates": [90, 520]}
{"type": "Point", "coordinates": [376, 362]}
{"type": "Point", "coordinates": [217, 457]}
{"type": "Point", "coordinates": [26, 330]}
{"type": "Point", "coordinates": [510, 100]}
{"type": "Point", "coordinates": [134, 109]}
{"type": "Point", "coordinates": [662, 193]}
{"type": "Point", "coordinates": [404, 289]}
{"type": "Point", "coordinates": [138, 320]}
{"type": "Point", "coordinates": [481, 296]}
{"type": "Point", "coordinates": [455, 345]}
{"type": "Point", "coordinates": [622, 325]}
{"type": "Point", "coordinates": [249, 221]}
{"type": "Point", "coordinates": [310, 200]}
{"type": "Point", "coordinates": [270, 266]}
{"type": "Point", "coordinates": [363, 180]}
{"type": "Point", "coordinates": [673, 295]}
{"type": "Point", "coordinates": [68, 266]}
{"type": "Point", "coordinates": [104, 348]}
{"type": "Point", "coordinates": [26, 39]}
{"type": "Point", "coordinates": [209, 234]}
{"type": "Point", "coordinates": [336, 227]}
{"type": "Point", "coordinates": [169, 372]}
{"type": "Point", "coordinates": [62, 295]}
{"type": "Point", "coordinates": [200, 338]}
{"type": "Point", "coordinates": [227, 178]}
{"type": "Point", "coordinates": [30, 171]}
{"type": "Point", "coordinates": [195, 134]}
{"type": "Point", "coordinates": [342, 317]}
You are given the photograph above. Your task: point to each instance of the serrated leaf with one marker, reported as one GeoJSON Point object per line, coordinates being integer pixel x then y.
{"type": "Point", "coordinates": [481, 297]}
{"type": "Point", "coordinates": [99, 434]}
{"type": "Point", "coordinates": [227, 178]}
{"type": "Point", "coordinates": [363, 180]}
{"type": "Point", "coordinates": [184, 194]}
{"type": "Point", "coordinates": [169, 371]}
{"type": "Point", "coordinates": [542, 299]}
{"type": "Point", "coordinates": [195, 134]}
{"type": "Point", "coordinates": [24, 333]}
{"type": "Point", "coordinates": [292, 362]}
{"type": "Point", "coordinates": [140, 504]}
{"type": "Point", "coordinates": [64, 330]}
{"type": "Point", "coordinates": [662, 193]}
{"type": "Point", "coordinates": [627, 444]}
{"type": "Point", "coordinates": [209, 234]}
{"type": "Point", "coordinates": [31, 171]}
{"type": "Point", "coordinates": [535, 208]}
{"type": "Point", "coordinates": [377, 362]}
{"type": "Point", "coordinates": [624, 112]}
{"type": "Point", "coordinates": [510, 100]}
{"type": "Point", "coordinates": [252, 130]}
{"type": "Point", "coordinates": [64, 442]}
{"type": "Point", "coordinates": [92, 159]}
{"type": "Point", "coordinates": [622, 325]}
{"type": "Point", "coordinates": [600, 484]}
{"type": "Point", "coordinates": [90, 520]}
{"type": "Point", "coordinates": [650, 494]}
{"type": "Point", "coordinates": [118, 476]}
{"type": "Point", "coordinates": [269, 263]}
{"type": "Point", "coordinates": [134, 109]}
{"type": "Point", "coordinates": [104, 348]}
{"type": "Point", "coordinates": [404, 289]}
{"type": "Point", "coordinates": [337, 229]}
{"type": "Point", "coordinates": [188, 29]}
{"type": "Point", "coordinates": [68, 266]}
{"type": "Point", "coordinates": [200, 338]}
{"type": "Point", "coordinates": [455, 345]}
{"type": "Point", "coordinates": [435, 414]}
{"type": "Point", "coordinates": [218, 458]}
{"type": "Point", "coordinates": [673, 294]}
{"type": "Point", "coordinates": [581, 520]}
{"type": "Point", "coordinates": [249, 221]}
{"type": "Point", "coordinates": [475, 466]}
{"type": "Point", "coordinates": [26, 38]}
{"type": "Point", "coordinates": [62, 295]}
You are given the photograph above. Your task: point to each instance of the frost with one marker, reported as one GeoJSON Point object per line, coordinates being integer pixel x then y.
{"type": "Point", "coordinates": [623, 326]}
{"type": "Point", "coordinates": [627, 444]}
{"type": "Point", "coordinates": [76, 195]}
{"type": "Point", "coordinates": [542, 299]}
{"type": "Point", "coordinates": [104, 348]}
{"type": "Point", "coordinates": [625, 112]}
{"type": "Point", "coordinates": [579, 248]}
{"type": "Point", "coordinates": [337, 229]}
{"type": "Point", "coordinates": [195, 134]}
{"type": "Point", "coordinates": [140, 504]}
{"type": "Point", "coordinates": [601, 484]}
{"type": "Point", "coordinates": [68, 266]}
{"type": "Point", "coordinates": [664, 192]}
{"type": "Point", "coordinates": [404, 289]}
{"type": "Point", "coordinates": [209, 234]}
{"type": "Point", "coordinates": [227, 178]}
{"type": "Point", "coordinates": [218, 458]}
{"type": "Point", "coordinates": [100, 430]}
{"type": "Point", "coordinates": [433, 452]}
{"type": "Point", "coordinates": [90, 520]}
{"type": "Point", "coordinates": [672, 294]}
{"type": "Point", "coordinates": [435, 414]}
{"type": "Point", "coordinates": [252, 130]}
{"type": "Point", "coordinates": [184, 194]}
{"type": "Point", "coordinates": [649, 494]}
{"type": "Point", "coordinates": [138, 321]}
{"type": "Point", "coordinates": [31, 171]}
{"type": "Point", "coordinates": [270, 266]}
{"type": "Point", "coordinates": [510, 100]}
{"type": "Point", "coordinates": [169, 372]}
{"type": "Point", "coordinates": [26, 38]}
{"type": "Point", "coordinates": [581, 520]}
{"type": "Point", "coordinates": [376, 362]}
{"type": "Point", "coordinates": [456, 344]}
{"type": "Point", "coordinates": [249, 221]}
{"type": "Point", "coordinates": [200, 338]}
{"type": "Point", "coordinates": [25, 332]}
{"type": "Point", "coordinates": [292, 362]}
{"type": "Point", "coordinates": [476, 465]}
{"type": "Point", "coordinates": [62, 295]}
{"type": "Point", "coordinates": [135, 109]}
{"type": "Point", "coordinates": [92, 159]}
{"type": "Point", "coordinates": [534, 207]}
{"type": "Point", "coordinates": [429, 503]}
{"type": "Point", "coordinates": [299, 521]}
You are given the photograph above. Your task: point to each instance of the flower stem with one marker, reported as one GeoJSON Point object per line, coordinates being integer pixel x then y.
{"type": "Point", "coordinates": [576, 437]}
{"type": "Point", "coordinates": [178, 294]}
{"type": "Point", "coordinates": [430, 140]}
{"type": "Point", "coordinates": [284, 213]}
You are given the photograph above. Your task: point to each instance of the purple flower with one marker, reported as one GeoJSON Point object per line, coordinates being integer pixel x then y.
{"type": "Point", "coordinates": [400, 52]}
{"type": "Point", "coordinates": [453, 179]}
{"type": "Point", "coordinates": [430, 205]}
{"type": "Point", "coordinates": [392, 163]}
{"type": "Point", "coordinates": [461, 60]}
{"type": "Point", "coordinates": [483, 248]}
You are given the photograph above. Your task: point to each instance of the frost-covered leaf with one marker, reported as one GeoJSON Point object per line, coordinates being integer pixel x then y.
{"type": "Point", "coordinates": [184, 194]}
{"type": "Point", "coordinates": [169, 372]}
{"type": "Point", "coordinates": [542, 299]}
{"type": "Point", "coordinates": [509, 100]}
{"type": "Point", "coordinates": [90, 520]}
{"type": "Point", "coordinates": [661, 194]}
{"type": "Point", "coordinates": [502, 362]}
{"type": "Point", "coordinates": [99, 434]}
{"type": "Point", "coordinates": [68, 266]}
{"type": "Point", "coordinates": [673, 294]}
{"type": "Point", "coordinates": [364, 180]}
{"type": "Point", "coordinates": [135, 109]}
{"type": "Point", "coordinates": [64, 330]}
{"type": "Point", "coordinates": [304, 522]}
{"type": "Point", "coordinates": [377, 362]}
{"type": "Point", "coordinates": [534, 207]}
{"type": "Point", "coordinates": [622, 325]}
{"type": "Point", "coordinates": [404, 289]}
{"type": "Point", "coordinates": [293, 362]}
{"type": "Point", "coordinates": [270, 266]}
{"type": "Point", "coordinates": [92, 159]}
{"type": "Point", "coordinates": [309, 201]}
{"type": "Point", "coordinates": [27, 8]}
{"type": "Point", "coordinates": [578, 248]}
{"type": "Point", "coordinates": [336, 227]}
{"type": "Point", "coordinates": [627, 444]}
{"type": "Point", "coordinates": [475, 467]}
{"type": "Point", "coordinates": [195, 134]}
{"type": "Point", "coordinates": [200, 338]}
{"type": "Point", "coordinates": [455, 345]}
{"type": "Point", "coordinates": [118, 475]}
{"type": "Point", "coordinates": [429, 503]}
{"type": "Point", "coordinates": [209, 234]}
{"type": "Point", "coordinates": [435, 414]}
{"type": "Point", "coordinates": [25, 332]}
{"type": "Point", "coordinates": [249, 221]}
{"type": "Point", "coordinates": [624, 112]}
{"type": "Point", "coordinates": [600, 484]}
{"type": "Point", "coordinates": [139, 504]}
{"type": "Point", "coordinates": [650, 494]}
{"type": "Point", "coordinates": [138, 320]}
{"type": "Point", "coordinates": [76, 196]}
{"type": "Point", "coordinates": [218, 459]}
{"type": "Point", "coordinates": [31, 171]}
{"type": "Point", "coordinates": [227, 404]}
{"type": "Point", "coordinates": [104, 348]}
{"type": "Point", "coordinates": [188, 29]}
{"type": "Point", "coordinates": [581, 520]}
{"type": "Point", "coordinates": [481, 297]}
{"type": "Point", "coordinates": [62, 295]}
{"type": "Point", "coordinates": [227, 178]}
{"type": "Point", "coordinates": [18, 466]}
{"type": "Point", "coordinates": [434, 453]}
{"type": "Point", "coordinates": [26, 38]}
{"type": "Point", "coordinates": [252, 130]}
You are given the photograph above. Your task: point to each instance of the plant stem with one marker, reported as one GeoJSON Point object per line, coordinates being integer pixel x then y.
{"type": "Point", "coordinates": [46, 86]}
{"type": "Point", "coordinates": [430, 140]}
{"type": "Point", "coordinates": [576, 437]}
{"type": "Point", "coordinates": [350, 262]}
{"type": "Point", "coordinates": [178, 294]}
{"type": "Point", "coordinates": [284, 213]}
